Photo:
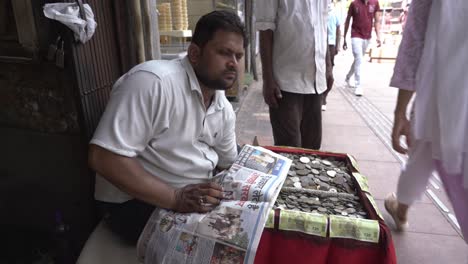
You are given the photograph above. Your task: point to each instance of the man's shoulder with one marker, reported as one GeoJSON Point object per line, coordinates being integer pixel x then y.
{"type": "Point", "coordinates": [161, 68]}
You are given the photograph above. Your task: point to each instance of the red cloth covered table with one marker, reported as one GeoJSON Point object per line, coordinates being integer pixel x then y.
{"type": "Point", "coordinates": [279, 246]}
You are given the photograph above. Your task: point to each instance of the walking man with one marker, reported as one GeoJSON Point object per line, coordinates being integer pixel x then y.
{"type": "Point", "coordinates": [365, 14]}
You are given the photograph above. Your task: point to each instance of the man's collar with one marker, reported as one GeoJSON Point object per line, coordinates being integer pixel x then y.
{"type": "Point", "coordinates": [193, 81]}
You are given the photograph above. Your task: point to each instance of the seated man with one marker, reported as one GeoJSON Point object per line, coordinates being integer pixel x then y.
{"type": "Point", "coordinates": [166, 127]}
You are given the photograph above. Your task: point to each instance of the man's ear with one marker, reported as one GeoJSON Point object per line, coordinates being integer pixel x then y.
{"type": "Point", "coordinates": [194, 53]}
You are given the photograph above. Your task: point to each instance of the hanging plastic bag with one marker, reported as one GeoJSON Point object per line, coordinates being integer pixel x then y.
{"type": "Point", "coordinates": [69, 15]}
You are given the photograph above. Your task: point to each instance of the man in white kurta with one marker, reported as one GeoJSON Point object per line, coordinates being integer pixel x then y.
{"type": "Point", "coordinates": [293, 46]}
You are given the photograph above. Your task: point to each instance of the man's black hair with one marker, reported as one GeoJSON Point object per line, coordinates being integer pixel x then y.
{"type": "Point", "coordinates": [214, 21]}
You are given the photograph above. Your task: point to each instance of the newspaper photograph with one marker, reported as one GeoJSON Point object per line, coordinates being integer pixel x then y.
{"type": "Point", "coordinates": [231, 232]}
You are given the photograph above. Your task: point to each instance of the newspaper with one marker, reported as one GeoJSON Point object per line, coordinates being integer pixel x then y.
{"type": "Point", "coordinates": [231, 232]}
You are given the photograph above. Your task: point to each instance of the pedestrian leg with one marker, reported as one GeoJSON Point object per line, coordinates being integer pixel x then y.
{"type": "Point", "coordinates": [286, 119]}
{"type": "Point", "coordinates": [311, 126]}
{"type": "Point", "coordinates": [412, 183]}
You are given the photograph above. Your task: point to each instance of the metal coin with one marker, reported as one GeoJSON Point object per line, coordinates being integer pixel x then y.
{"type": "Point", "coordinates": [294, 179]}
{"type": "Point", "coordinates": [300, 166]}
{"type": "Point", "coordinates": [316, 172]}
{"type": "Point", "coordinates": [298, 185]}
{"type": "Point", "coordinates": [322, 209]}
{"type": "Point", "coordinates": [333, 190]}
{"type": "Point", "coordinates": [338, 180]}
{"type": "Point", "coordinates": [302, 172]}
{"type": "Point", "coordinates": [324, 178]}
{"type": "Point", "coordinates": [326, 162]}
{"type": "Point", "coordinates": [304, 160]}
{"type": "Point", "coordinates": [344, 213]}
{"type": "Point", "coordinates": [331, 173]}
{"type": "Point", "coordinates": [340, 207]}
{"type": "Point", "coordinates": [351, 210]}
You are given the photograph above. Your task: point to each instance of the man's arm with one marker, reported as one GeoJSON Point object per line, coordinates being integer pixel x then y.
{"type": "Point", "coordinates": [128, 175]}
{"type": "Point", "coordinates": [328, 65]}
{"type": "Point", "coordinates": [338, 39]}
{"type": "Point", "coordinates": [377, 26]}
{"type": "Point", "coordinates": [401, 124]}
{"type": "Point", "coordinates": [348, 20]}
{"type": "Point", "coordinates": [271, 90]}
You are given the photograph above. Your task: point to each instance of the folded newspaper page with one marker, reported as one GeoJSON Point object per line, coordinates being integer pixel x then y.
{"type": "Point", "coordinates": [231, 232]}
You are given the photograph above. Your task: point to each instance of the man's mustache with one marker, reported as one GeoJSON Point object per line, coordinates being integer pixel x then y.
{"type": "Point", "coordinates": [231, 71]}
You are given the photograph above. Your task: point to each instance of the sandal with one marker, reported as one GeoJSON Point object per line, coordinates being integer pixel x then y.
{"type": "Point", "coordinates": [391, 204]}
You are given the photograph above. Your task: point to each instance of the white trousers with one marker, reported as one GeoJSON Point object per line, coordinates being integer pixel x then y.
{"type": "Point", "coordinates": [359, 47]}
{"type": "Point", "coordinates": [415, 175]}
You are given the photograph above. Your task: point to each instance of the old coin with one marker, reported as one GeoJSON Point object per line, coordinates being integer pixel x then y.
{"type": "Point", "coordinates": [294, 179]}
{"type": "Point", "coordinates": [298, 185]}
{"type": "Point", "coordinates": [326, 162]}
{"type": "Point", "coordinates": [302, 172]}
{"type": "Point", "coordinates": [316, 172]}
{"type": "Point", "coordinates": [322, 209]}
{"type": "Point", "coordinates": [331, 173]}
{"type": "Point", "coordinates": [304, 160]}
{"type": "Point", "coordinates": [300, 166]}
{"type": "Point", "coordinates": [338, 180]}
{"type": "Point", "coordinates": [324, 178]}
{"type": "Point", "coordinates": [344, 213]}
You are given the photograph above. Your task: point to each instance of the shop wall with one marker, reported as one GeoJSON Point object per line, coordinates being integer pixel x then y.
{"type": "Point", "coordinates": [43, 159]}
{"type": "Point", "coordinates": [196, 9]}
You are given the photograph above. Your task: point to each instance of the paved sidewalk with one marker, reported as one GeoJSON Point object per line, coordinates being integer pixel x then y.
{"type": "Point", "coordinates": [360, 126]}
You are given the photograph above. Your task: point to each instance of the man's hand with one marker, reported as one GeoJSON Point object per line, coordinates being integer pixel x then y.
{"type": "Point", "coordinates": [271, 92]}
{"type": "Point", "coordinates": [200, 198]}
{"type": "Point", "coordinates": [345, 45]}
{"type": "Point", "coordinates": [401, 127]}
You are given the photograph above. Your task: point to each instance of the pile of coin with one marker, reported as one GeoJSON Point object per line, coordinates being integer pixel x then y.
{"type": "Point", "coordinates": [317, 173]}
{"type": "Point", "coordinates": [319, 185]}
{"type": "Point", "coordinates": [179, 14]}
{"type": "Point", "coordinates": [165, 17]}
{"type": "Point", "coordinates": [302, 201]}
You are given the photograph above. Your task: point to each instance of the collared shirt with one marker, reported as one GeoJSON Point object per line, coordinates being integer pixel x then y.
{"type": "Point", "coordinates": [363, 16]}
{"type": "Point", "coordinates": [332, 24]}
{"type": "Point", "coordinates": [299, 42]}
{"type": "Point", "coordinates": [157, 115]}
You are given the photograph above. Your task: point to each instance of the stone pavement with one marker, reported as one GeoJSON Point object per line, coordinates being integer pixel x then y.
{"type": "Point", "coordinates": [361, 127]}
